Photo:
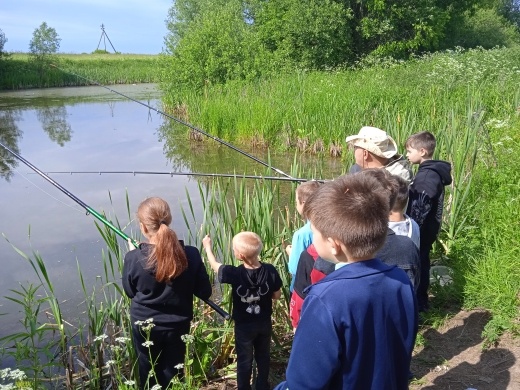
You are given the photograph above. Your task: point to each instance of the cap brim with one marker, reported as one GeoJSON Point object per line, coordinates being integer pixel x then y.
{"type": "Point", "coordinates": [351, 138]}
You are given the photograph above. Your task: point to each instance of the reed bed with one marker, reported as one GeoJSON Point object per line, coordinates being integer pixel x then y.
{"type": "Point", "coordinates": [19, 71]}
{"type": "Point", "coordinates": [400, 97]}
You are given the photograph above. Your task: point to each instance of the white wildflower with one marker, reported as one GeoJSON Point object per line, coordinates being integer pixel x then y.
{"type": "Point", "coordinates": [100, 337]}
{"type": "Point", "coordinates": [156, 387]}
{"type": "Point", "coordinates": [129, 382]}
{"type": "Point", "coordinates": [179, 366]}
{"type": "Point", "coordinates": [147, 343]}
{"type": "Point", "coordinates": [122, 339]}
{"type": "Point", "coordinates": [187, 338]}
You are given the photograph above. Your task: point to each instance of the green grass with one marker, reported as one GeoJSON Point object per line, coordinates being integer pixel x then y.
{"type": "Point", "coordinates": [18, 72]}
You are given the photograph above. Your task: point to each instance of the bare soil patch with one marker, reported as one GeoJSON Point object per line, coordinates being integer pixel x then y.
{"type": "Point", "coordinates": [454, 357]}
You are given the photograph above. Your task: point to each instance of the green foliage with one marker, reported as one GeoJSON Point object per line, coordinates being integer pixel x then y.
{"type": "Point", "coordinates": [201, 57]}
{"type": "Point", "coordinates": [20, 72]}
{"type": "Point", "coordinates": [44, 43]}
{"type": "Point", "coordinates": [308, 34]}
{"type": "Point", "coordinates": [214, 41]}
{"type": "Point", "coordinates": [3, 40]}
{"type": "Point", "coordinates": [484, 28]}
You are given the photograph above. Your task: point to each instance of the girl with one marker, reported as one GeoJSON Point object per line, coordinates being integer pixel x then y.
{"type": "Point", "coordinates": [161, 277]}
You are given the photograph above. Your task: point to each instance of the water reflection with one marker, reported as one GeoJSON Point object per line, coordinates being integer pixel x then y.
{"type": "Point", "coordinates": [9, 135]}
{"type": "Point", "coordinates": [54, 123]}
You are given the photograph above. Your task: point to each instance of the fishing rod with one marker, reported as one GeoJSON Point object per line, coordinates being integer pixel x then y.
{"type": "Point", "coordinates": [100, 217]}
{"type": "Point", "coordinates": [180, 122]}
{"type": "Point", "coordinates": [171, 174]}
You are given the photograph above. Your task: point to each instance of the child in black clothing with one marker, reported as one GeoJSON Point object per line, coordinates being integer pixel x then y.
{"type": "Point", "coordinates": [426, 200]}
{"type": "Point", "coordinates": [255, 285]}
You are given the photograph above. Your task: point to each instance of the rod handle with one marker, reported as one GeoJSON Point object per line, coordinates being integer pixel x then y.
{"type": "Point", "coordinates": [218, 309]}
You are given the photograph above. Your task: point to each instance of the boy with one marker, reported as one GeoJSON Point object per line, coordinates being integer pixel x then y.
{"type": "Point", "coordinates": [398, 250]}
{"type": "Point", "coordinates": [255, 285]}
{"type": "Point", "coordinates": [399, 222]}
{"type": "Point", "coordinates": [311, 269]}
{"type": "Point", "coordinates": [358, 324]}
{"type": "Point", "coordinates": [374, 148]}
{"type": "Point", "coordinates": [426, 201]}
{"type": "Point", "coordinates": [302, 238]}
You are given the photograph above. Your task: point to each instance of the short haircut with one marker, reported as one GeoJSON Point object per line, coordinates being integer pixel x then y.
{"type": "Point", "coordinates": [248, 243]}
{"type": "Point", "coordinates": [424, 140]}
{"type": "Point", "coordinates": [384, 178]}
{"type": "Point", "coordinates": [352, 209]}
{"type": "Point", "coordinates": [401, 199]}
{"type": "Point", "coordinates": [306, 189]}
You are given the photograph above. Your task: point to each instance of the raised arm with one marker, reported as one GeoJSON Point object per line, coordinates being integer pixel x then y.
{"type": "Point", "coordinates": [214, 264]}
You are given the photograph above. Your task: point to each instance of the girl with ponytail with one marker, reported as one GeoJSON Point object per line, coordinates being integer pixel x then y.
{"type": "Point", "coordinates": [161, 277]}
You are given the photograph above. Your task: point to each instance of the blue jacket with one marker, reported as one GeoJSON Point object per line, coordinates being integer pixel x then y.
{"type": "Point", "coordinates": [357, 331]}
{"type": "Point", "coordinates": [302, 239]}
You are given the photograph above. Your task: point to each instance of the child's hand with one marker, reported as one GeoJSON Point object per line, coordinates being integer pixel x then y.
{"type": "Point", "coordinates": [131, 245]}
{"type": "Point", "coordinates": [206, 242]}
{"type": "Point", "coordinates": [288, 250]}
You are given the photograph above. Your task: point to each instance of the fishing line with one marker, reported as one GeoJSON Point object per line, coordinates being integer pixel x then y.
{"type": "Point", "coordinates": [180, 122]}
{"type": "Point", "coordinates": [97, 215]}
{"type": "Point", "coordinates": [45, 192]}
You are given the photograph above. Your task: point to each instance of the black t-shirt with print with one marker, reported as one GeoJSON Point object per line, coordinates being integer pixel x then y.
{"type": "Point", "coordinates": [252, 290]}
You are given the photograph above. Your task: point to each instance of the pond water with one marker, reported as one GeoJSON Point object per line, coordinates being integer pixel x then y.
{"type": "Point", "coordinates": [94, 129]}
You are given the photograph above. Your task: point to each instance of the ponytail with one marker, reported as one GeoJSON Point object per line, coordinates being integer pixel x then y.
{"type": "Point", "coordinates": [167, 257]}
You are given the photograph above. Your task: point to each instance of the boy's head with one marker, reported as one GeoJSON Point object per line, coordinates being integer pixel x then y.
{"type": "Point", "coordinates": [303, 191]}
{"type": "Point", "coordinates": [420, 146]}
{"type": "Point", "coordinates": [375, 141]}
{"type": "Point", "coordinates": [349, 218]}
{"type": "Point", "coordinates": [388, 184]}
{"type": "Point", "coordinates": [401, 199]}
{"type": "Point", "coordinates": [247, 246]}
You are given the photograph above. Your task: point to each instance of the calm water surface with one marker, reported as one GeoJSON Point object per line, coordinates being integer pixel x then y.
{"type": "Point", "coordinates": [92, 129]}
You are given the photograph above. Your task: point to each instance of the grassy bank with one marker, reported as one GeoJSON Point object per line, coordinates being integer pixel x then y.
{"type": "Point", "coordinates": [19, 72]}
{"type": "Point", "coordinates": [312, 108]}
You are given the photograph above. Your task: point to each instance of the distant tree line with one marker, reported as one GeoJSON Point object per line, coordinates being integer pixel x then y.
{"type": "Point", "coordinates": [214, 41]}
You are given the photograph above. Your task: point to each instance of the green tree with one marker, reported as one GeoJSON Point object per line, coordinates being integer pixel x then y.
{"type": "Point", "coordinates": [3, 40]}
{"type": "Point", "coordinates": [311, 34]}
{"type": "Point", "coordinates": [44, 44]}
{"type": "Point", "coordinates": [212, 45]}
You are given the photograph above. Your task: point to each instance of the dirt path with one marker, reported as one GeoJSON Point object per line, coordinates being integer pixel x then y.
{"type": "Point", "coordinates": [453, 358]}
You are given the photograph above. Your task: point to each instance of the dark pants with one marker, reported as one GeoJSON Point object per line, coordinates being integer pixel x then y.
{"type": "Point", "coordinates": [424, 285]}
{"type": "Point", "coordinates": [253, 338]}
{"type": "Point", "coordinates": [167, 351]}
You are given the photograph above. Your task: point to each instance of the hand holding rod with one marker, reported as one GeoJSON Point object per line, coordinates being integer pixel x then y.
{"type": "Point", "coordinates": [90, 210]}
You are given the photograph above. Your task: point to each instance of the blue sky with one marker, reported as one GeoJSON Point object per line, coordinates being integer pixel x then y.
{"type": "Point", "coordinates": [133, 26]}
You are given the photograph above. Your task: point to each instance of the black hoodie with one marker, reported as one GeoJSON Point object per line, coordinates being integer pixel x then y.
{"type": "Point", "coordinates": [426, 196]}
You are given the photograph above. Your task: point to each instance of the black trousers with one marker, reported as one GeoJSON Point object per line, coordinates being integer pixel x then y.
{"type": "Point", "coordinates": [424, 285]}
{"type": "Point", "coordinates": [253, 339]}
{"type": "Point", "coordinates": [167, 351]}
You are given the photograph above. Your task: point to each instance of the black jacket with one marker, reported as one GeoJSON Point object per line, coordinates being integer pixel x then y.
{"type": "Point", "coordinates": [401, 251]}
{"type": "Point", "coordinates": [426, 196]}
{"type": "Point", "coordinates": [164, 302]}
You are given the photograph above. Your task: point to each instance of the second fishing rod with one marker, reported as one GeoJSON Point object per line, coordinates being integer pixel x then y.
{"type": "Point", "coordinates": [194, 128]}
